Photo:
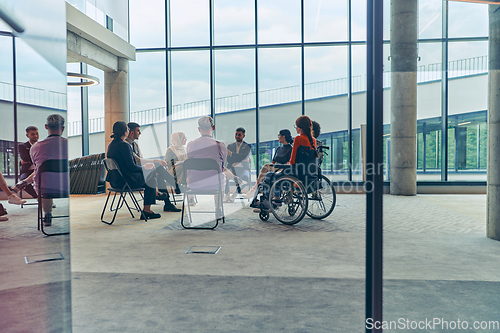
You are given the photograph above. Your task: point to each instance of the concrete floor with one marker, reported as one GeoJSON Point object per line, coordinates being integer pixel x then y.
{"type": "Point", "coordinates": [267, 277]}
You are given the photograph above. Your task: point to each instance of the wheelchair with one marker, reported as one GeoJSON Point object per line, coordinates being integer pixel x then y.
{"type": "Point", "coordinates": [297, 190]}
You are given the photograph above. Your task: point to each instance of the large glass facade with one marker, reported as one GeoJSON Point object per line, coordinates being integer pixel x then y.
{"type": "Point", "coordinates": [194, 73]}
{"type": "Point", "coordinates": [260, 65]}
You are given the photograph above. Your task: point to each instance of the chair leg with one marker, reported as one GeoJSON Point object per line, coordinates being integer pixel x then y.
{"type": "Point", "coordinates": [186, 197]}
{"type": "Point", "coordinates": [111, 209]}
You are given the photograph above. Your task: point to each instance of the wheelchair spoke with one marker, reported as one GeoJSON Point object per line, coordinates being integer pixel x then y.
{"type": "Point", "coordinates": [289, 204]}
{"type": "Point", "coordinates": [322, 201]}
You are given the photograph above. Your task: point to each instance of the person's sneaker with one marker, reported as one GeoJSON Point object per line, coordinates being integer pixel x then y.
{"type": "Point", "coordinates": [169, 207]}
{"type": "Point", "coordinates": [47, 220]}
{"type": "Point", "coordinates": [192, 202]}
{"type": "Point", "coordinates": [227, 197]}
{"type": "Point", "coordinates": [149, 215]}
{"type": "Point", "coordinates": [15, 200]}
{"type": "Point", "coordinates": [3, 218]}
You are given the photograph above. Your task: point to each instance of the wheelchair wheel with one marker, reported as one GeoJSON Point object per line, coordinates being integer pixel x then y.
{"type": "Point", "coordinates": [264, 215]}
{"type": "Point", "coordinates": [288, 200]}
{"type": "Point", "coordinates": [322, 202]}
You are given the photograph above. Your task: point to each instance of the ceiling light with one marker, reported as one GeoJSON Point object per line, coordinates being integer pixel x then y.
{"type": "Point", "coordinates": [88, 80]}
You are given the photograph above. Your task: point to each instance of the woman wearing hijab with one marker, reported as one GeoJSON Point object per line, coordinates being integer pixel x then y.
{"type": "Point", "coordinates": [176, 153]}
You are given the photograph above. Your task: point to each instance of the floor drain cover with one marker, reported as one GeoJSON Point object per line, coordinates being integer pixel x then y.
{"type": "Point", "coordinates": [204, 249]}
{"type": "Point", "coordinates": [44, 257]}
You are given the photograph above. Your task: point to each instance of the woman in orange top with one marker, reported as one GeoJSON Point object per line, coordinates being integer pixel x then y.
{"type": "Point", "coordinates": [303, 125]}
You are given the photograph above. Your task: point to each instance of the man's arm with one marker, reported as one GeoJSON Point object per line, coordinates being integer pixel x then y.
{"type": "Point", "coordinates": [242, 155]}
{"type": "Point", "coordinates": [24, 154]}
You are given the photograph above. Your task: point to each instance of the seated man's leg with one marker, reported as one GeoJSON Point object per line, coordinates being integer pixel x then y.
{"type": "Point", "coordinates": [29, 188]}
{"type": "Point", "coordinates": [164, 179]}
{"type": "Point", "coordinates": [47, 209]}
{"type": "Point", "coordinates": [165, 176]}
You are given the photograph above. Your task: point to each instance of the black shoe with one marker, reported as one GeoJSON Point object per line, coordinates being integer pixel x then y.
{"type": "Point", "coordinates": [150, 216]}
{"type": "Point", "coordinates": [162, 196]}
{"type": "Point", "coordinates": [170, 208]}
{"type": "Point", "coordinates": [255, 203]}
{"type": "Point", "coordinates": [47, 220]}
{"type": "Point", "coordinates": [3, 211]}
{"type": "Point", "coordinates": [177, 190]}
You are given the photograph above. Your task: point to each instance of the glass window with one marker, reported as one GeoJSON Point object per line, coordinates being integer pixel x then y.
{"type": "Point", "coordinates": [235, 96]}
{"type": "Point", "coordinates": [467, 19]}
{"type": "Point", "coordinates": [279, 21]}
{"type": "Point", "coordinates": [468, 67]}
{"type": "Point", "coordinates": [190, 90]}
{"type": "Point", "coordinates": [189, 22]}
{"type": "Point", "coordinates": [279, 95]}
{"type": "Point", "coordinates": [429, 111]}
{"type": "Point", "coordinates": [148, 86]}
{"type": "Point", "coordinates": [96, 112]}
{"type": "Point", "coordinates": [326, 102]}
{"type": "Point", "coordinates": [147, 23]}
{"type": "Point", "coordinates": [358, 19]}
{"type": "Point", "coordinates": [358, 107]}
{"type": "Point", "coordinates": [325, 21]}
{"type": "Point", "coordinates": [234, 22]}
{"type": "Point", "coordinates": [74, 121]}
{"type": "Point", "coordinates": [430, 19]}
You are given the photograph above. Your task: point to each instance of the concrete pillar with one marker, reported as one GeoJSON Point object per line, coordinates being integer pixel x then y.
{"type": "Point", "coordinates": [116, 98]}
{"type": "Point", "coordinates": [404, 31]}
{"type": "Point", "coordinates": [493, 197]}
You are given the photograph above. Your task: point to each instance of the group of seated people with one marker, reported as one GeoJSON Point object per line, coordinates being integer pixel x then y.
{"type": "Point", "coordinates": [156, 175]}
{"type": "Point", "coordinates": [33, 153]}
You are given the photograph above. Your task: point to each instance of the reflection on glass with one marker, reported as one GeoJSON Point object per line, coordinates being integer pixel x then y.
{"type": "Point", "coordinates": [429, 19]}
{"type": "Point", "coordinates": [234, 22]}
{"type": "Point", "coordinates": [41, 91]}
{"type": "Point", "coordinates": [326, 102]}
{"type": "Point", "coordinates": [147, 23]}
{"type": "Point", "coordinates": [189, 22]}
{"type": "Point", "coordinates": [279, 21]}
{"type": "Point", "coordinates": [279, 95]}
{"type": "Point", "coordinates": [325, 21]}
{"type": "Point", "coordinates": [6, 107]}
{"type": "Point", "coordinates": [467, 19]}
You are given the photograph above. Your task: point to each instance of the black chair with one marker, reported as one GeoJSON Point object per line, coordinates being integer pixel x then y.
{"type": "Point", "coordinates": [203, 164]}
{"type": "Point", "coordinates": [113, 169]}
{"type": "Point", "coordinates": [60, 169]}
